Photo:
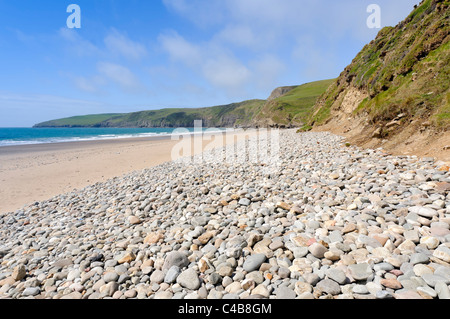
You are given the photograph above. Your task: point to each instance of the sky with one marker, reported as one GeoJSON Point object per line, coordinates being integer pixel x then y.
{"type": "Point", "coordinates": [135, 55]}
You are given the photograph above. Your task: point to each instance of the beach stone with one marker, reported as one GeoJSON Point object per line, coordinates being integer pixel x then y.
{"type": "Point", "coordinates": [424, 211]}
{"type": "Point", "coordinates": [443, 253]}
{"type": "Point", "coordinates": [430, 242]}
{"type": "Point", "coordinates": [261, 290]}
{"type": "Point", "coordinates": [254, 262]}
{"type": "Point", "coordinates": [284, 206]}
{"type": "Point", "coordinates": [244, 202]}
{"type": "Point", "coordinates": [153, 238]}
{"type": "Point", "coordinates": [407, 247]}
{"type": "Point", "coordinates": [206, 237]}
{"type": "Point", "coordinates": [163, 295]}
{"type": "Point", "coordinates": [443, 271]}
{"type": "Point", "coordinates": [31, 291]}
{"type": "Point", "coordinates": [419, 258]}
{"type": "Point", "coordinates": [420, 270]}
{"type": "Point", "coordinates": [360, 289]}
{"type": "Point", "coordinates": [427, 292]}
{"type": "Point", "coordinates": [360, 271]}
{"type": "Point", "coordinates": [442, 290]}
{"type": "Point", "coordinates": [233, 288]}
{"type": "Point", "coordinates": [72, 296]}
{"type": "Point", "coordinates": [384, 294]}
{"type": "Point", "coordinates": [128, 257]}
{"type": "Point", "coordinates": [336, 275]}
{"type": "Point", "coordinates": [133, 220]}
{"type": "Point", "coordinates": [110, 276]}
{"type": "Point", "coordinates": [285, 293]}
{"type": "Point", "coordinates": [432, 279]}
{"type": "Point", "coordinates": [329, 286]}
{"type": "Point", "coordinates": [351, 227]}
{"type": "Point", "coordinates": [407, 294]}
{"type": "Point", "coordinates": [19, 273]}
{"type": "Point", "coordinates": [302, 288]}
{"type": "Point", "coordinates": [200, 220]}
{"type": "Point", "coordinates": [391, 283]}
{"type": "Point", "coordinates": [317, 250]}
{"type": "Point", "coordinates": [172, 274]}
{"type": "Point", "coordinates": [175, 258]}
{"type": "Point", "coordinates": [225, 270]}
{"type": "Point", "coordinates": [157, 276]}
{"type": "Point", "coordinates": [189, 279]}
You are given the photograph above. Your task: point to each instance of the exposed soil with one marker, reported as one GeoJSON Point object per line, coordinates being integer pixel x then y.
{"type": "Point", "coordinates": [411, 139]}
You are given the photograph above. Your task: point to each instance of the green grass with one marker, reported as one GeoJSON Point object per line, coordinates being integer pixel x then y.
{"type": "Point", "coordinates": [399, 69]}
{"type": "Point", "coordinates": [216, 116]}
{"type": "Point", "coordinates": [80, 121]}
{"type": "Point", "coordinates": [295, 106]}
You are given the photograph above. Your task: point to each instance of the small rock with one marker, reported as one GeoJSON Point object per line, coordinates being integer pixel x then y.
{"type": "Point", "coordinates": [172, 274]}
{"type": "Point", "coordinates": [175, 258]}
{"type": "Point", "coordinates": [153, 238]}
{"type": "Point", "coordinates": [244, 202]}
{"type": "Point", "coordinates": [110, 276]}
{"type": "Point", "coordinates": [336, 275]}
{"type": "Point", "coordinates": [133, 220]}
{"type": "Point", "coordinates": [127, 258]}
{"type": "Point", "coordinates": [254, 262]}
{"type": "Point", "coordinates": [261, 290]}
{"type": "Point", "coordinates": [189, 279]}
{"type": "Point", "coordinates": [391, 283]}
{"type": "Point", "coordinates": [329, 286]}
{"type": "Point", "coordinates": [360, 271]}
{"type": "Point", "coordinates": [19, 273]}
{"type": "Point", "coordinates": [31, 291]}
{"type": "Point", "coordinates": [317, 250]}
{"type": "Point", "coordinates": [285, 293]}
{"type": "Point", "coordinates": [443, 253]}
{"type": "Point", "coordinates": [284, 206]}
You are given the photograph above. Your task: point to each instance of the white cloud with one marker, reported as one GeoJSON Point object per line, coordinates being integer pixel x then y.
{"type": "Point", "coordinates": [120, 75]}
{"type": "Point", "coordinates": [200, 12]}
{"type": "Point", "coordinates": [239, 35]}
{"type": "Point", "coordinates": [77, 44]}
{"type": "Point", "coordinates": [118, 43]}
{"type": "Point", "coordinates": [212, 61]}
{"type": "Point", "coordinates": [90, 85]}
{"type": "Point", "coordinates": [267, 71]}
{"type": "Point", "coordinates": [179, 49]}
{"type": "Point", "coordinates": [227, 73]}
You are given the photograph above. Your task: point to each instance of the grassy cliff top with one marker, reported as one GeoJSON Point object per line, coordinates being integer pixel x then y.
{"type": "Point", "coordinates": [405, 69]}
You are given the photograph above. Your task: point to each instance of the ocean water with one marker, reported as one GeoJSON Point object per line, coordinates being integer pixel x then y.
{"type": "Point", "coordinates": [24, 136]}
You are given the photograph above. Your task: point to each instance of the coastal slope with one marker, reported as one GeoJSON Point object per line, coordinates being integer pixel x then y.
{"type": "Point", "coordinates": [395, 93]}
{"type": "Point", "coordinates": [286, 106]}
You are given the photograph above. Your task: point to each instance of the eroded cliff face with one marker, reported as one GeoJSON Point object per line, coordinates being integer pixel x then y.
{"type": "Point", "coordinates": [395, 94]}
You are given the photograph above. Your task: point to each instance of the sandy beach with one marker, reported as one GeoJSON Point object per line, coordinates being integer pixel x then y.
{"type": "Point", "coordinates": [31, 173]}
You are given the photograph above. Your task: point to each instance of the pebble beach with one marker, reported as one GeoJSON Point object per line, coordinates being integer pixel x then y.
{"type": "Point", "coordinates": [333, 221]}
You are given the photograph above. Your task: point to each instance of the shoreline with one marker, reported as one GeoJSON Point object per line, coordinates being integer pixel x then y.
{"type": "Point", "coordinates": [240, 229]}
{"type": "Point", "coordinates": [36, 172]}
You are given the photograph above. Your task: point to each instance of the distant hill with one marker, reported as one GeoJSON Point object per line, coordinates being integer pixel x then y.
{"type": "Point", "coordinates": [230, 115]}
{"type": "Point", "coordinates": [290, 106]}
{"type": "Point", "coordinates": [287, 106]}
{"type": "Point", "coordinates": [395, 93]}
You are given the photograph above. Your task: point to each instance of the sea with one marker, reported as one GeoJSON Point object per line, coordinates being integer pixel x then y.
{"type": "Point", "coordinates": [27, 136]}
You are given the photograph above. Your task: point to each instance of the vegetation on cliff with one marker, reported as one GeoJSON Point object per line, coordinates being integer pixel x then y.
{"type": "Point", "coordinates": [404, 71]}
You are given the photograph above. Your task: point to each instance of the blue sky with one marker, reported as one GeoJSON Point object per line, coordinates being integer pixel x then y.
{"type": "Point", "coordinates": [139, 55]}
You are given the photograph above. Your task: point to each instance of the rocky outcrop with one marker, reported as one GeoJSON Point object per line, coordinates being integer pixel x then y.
{"type": "Point", "coordinates": [280, 92]}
